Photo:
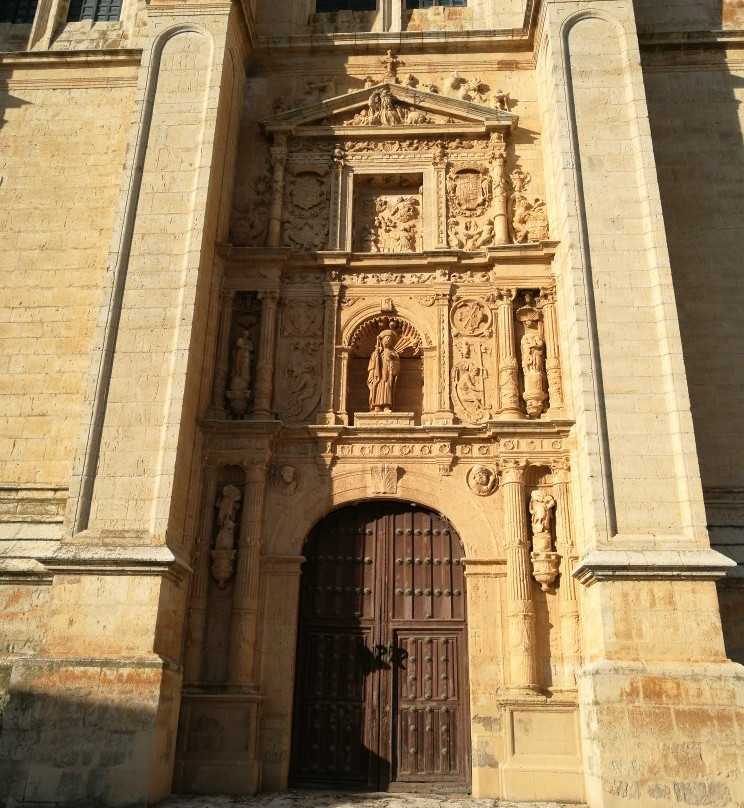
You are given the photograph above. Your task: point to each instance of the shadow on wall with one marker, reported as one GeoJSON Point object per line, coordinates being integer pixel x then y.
{"type": "Point", "coordinates": [73, 750]}
{"type": "Point", "coordinates": [694, 100]}
{"type": "Point", "coordinates": [8, 101]}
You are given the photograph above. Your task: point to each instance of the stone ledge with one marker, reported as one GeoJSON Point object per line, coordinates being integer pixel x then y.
{"type": "Point", "coordinates": [701, 564]}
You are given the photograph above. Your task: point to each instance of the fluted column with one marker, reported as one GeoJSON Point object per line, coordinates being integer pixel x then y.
{"type": "Point", "coordinates": [500, 199]}
{"type": "Point", "coordinates": [265, 365]}
{"type": "Point", "coordinates": [520, 608]}
{"type": "Point", "coordinates": [326, 413]}
{"type": "Point", "coordinates": [199, 604]}
{"type": "Point", "coordinates": [278, 165]}
{"type": "Point", "coordinates": [243, 622]}
{"type": "Point", "coordinates": [507, 358]}
{"type": "Point", "coordinates": [567, 600]}
{"type": "Point", "coordinates": [337, 229]}
{"type": "Point", "coordinates": [444, 400]}
{"type": "Point", "coordinates": [222, 363]}
{"type": "Point", "coordinates": [552, 359]}
{"type": "Point", "coordinates": [344, 356]}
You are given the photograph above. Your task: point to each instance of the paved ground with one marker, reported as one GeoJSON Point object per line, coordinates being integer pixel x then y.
{"type": "Point", "coordinates": [326, 799]}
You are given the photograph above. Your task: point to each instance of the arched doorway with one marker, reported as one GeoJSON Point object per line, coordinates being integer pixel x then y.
{"type": "Point", "coordinates": [381, 692]}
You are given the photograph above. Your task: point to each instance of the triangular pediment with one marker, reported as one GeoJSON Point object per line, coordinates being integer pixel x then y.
{"type": "Point", "coordinates": [390, 107]}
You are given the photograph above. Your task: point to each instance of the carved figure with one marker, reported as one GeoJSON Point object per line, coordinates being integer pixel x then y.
{"type": "Point", "coordinates": [223, 554]}
{"type": "Point", "coordinates": [529, 220]}
{"type": "Point", "coordinates": [541, 505]}
{"type": "Point", "coordinates": [391, 63]}
{"type": "Point", "coordinates": [501, 100]}
{"type": "Point", "coordinates": [469, 389]}
{"type": "Point", "coordinates": [287, 479]}
{"type": "Point", "coordinates": [302, 391]}
{"type": "Point", "coordinates": [382, 372]}
{"type": "Point", "coordinates": [532, 347]}
{"type": "Point", "coordinates": [544, 561]}
{"type": "Point", "coordinates": [482, 480]}
{"type": "Point", "coordinates": [239, 392]}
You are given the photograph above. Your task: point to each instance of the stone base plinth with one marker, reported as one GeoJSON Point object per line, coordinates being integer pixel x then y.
{"type": "Point", "coordinates": [217, 742]}
{"type": "Point", "coordinates": [382, 419]}
{"type": "Point", "coordinates": [662, 735]}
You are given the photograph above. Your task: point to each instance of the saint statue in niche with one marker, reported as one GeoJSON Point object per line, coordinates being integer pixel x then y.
{"type": "Point", "coordinates": [382, 371]}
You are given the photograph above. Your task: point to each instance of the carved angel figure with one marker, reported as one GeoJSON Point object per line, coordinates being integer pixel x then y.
{"type": "Point", "coordinates": [541, 505]}
{"type": "Point", "coordinates": [382, 372]}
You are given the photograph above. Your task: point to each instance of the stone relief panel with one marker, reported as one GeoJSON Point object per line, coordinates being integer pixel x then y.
{"type": "Point", "coordinates": [305, 212]}
{"type": "Point", "coordinates": [299, 361]}
{"type": "Point", "coordinates": [469, 197]}
{"type": "Point", "coordinates": [250, 214]}
{"type": "Point", "coordinates": [388, 213]}
{"type": "Point", "coordinates": [473, 383]}
{"type": "Point", "coordinates": [529, 217]}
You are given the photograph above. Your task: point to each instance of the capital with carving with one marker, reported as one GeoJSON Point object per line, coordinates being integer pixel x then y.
{"type": "Point", "coordinates": [512, 470]}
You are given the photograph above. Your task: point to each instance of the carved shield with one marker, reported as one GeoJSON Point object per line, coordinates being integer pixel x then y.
{"type": "Point", "coordinates": [469, 189]}
{"type": "Point", "coordinates": [307, 191]}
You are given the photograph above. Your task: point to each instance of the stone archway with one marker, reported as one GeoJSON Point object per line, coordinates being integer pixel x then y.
{"type": "Point", "coordinates": [381, 692]}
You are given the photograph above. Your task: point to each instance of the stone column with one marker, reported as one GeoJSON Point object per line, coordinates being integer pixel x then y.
{"type": "Point", "coordinates": [198, 607]}
{"type": "Point", "coordinates": [443, 399]}
{"type": "Point", "coordinates": [222, 362]}
{"type": "Point", "coordinates": [278, 165]}
{"type": "Point", "coordinates": [552, 360]}
{"type": "Point", "coordinates": [265, 365]}
{"type": "Point", "coordinates": [500, 199]}
{"type": "Point", "coordinates": [507, 358]}
{"type": "Point", "coordinates": [344, 355]}
{"type": "Point", "coordinates": [336, 228]}
{"type": "Point", "coordinates": [326, 413]}
{"type": "Point", "coordinates": [439, 163]}
{"type": "Point", "coordinates": [244, 616]}
{"type": "Point", "coordinates": [520, 609]}
{"type": "Point", "coordinates": [567, 600]}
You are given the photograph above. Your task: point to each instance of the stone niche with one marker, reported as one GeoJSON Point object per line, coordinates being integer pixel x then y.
{"type": "Point", "coordinates": [408, 394]}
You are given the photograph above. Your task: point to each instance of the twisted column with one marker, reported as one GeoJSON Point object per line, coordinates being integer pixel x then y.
{"type": "Point", "coordinates": [552, 360]}
{"type": "Point", "coordinates": [507, 358]}
{"type": "Point", "coordinates": [265, 365]}
{"type": "Point", "coordinates": [244, 618]}
{"type": "Point", "coordinates": [567, 600]}
{"type": "Point", "coordinates": [199, 606]}
{"type": "Point", "coordinates": [520, 609]}
{"type": "Point", "coordinates": [278, 165]}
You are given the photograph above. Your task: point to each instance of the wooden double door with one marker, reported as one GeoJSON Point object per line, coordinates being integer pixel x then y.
{"type": "Point", "coordinates": [381, 686]}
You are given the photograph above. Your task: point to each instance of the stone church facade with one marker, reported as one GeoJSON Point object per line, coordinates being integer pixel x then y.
{"type": "Point", "coordinates": [371, 379]}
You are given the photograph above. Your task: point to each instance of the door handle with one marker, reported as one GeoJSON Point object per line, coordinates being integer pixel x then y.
{"type": "Point", "coordinates": [382, 650]}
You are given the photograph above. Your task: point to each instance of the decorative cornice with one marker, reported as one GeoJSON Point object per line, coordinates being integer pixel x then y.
{"type": "Point", "coordinates": [702, 564]}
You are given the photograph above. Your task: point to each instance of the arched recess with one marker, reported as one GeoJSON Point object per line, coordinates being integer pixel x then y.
{"type": "Point", "coordinates": [408, 394]}
{"type": "Point", "coordinates": [381, 691]}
